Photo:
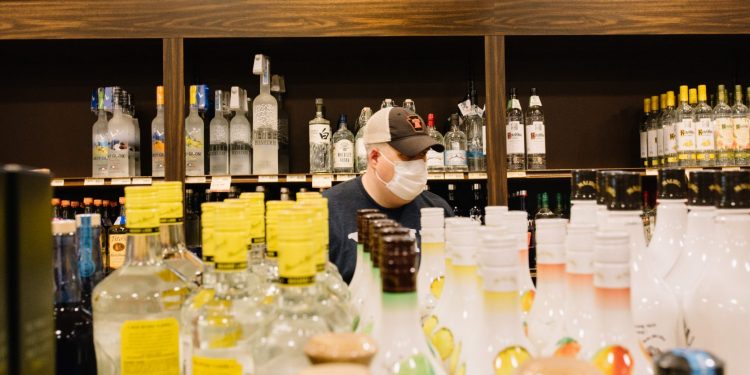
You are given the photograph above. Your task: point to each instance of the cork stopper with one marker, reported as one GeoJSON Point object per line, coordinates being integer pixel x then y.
{"type": "Point", "coordinates": [583, 184]}
{"type": "Point", "coordinates": [399, 264]}
{"type": "Point", "coordinates": [735, 189]}
{"type": "Point", "coordinates": [624, 191]}
{"type": "Point", "coordinates": [703, 188]}
{"type": "Point", "coordinates": [363, 230]}
{"type": "Point", "coordinates": [672, 184]}
{"type": "Point", "coordinates": [345, 347]}
{"type": "Point", "coordinates": [377, 255]}
{"type": "Point", "coordinates": [373, 238]}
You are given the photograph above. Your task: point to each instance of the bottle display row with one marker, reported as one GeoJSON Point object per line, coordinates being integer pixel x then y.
{"type": "Point", "coordinates": [116, 141]}
{"type": "Point", "coordinates": [525, 133]}
{"type": "Point", "coordinates": [696, 130]}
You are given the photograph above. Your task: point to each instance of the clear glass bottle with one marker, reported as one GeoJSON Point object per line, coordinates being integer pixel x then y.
{"type": "Point", "coordinates": [653, 133]}
{"type": "Point", "coordinates": [644, 131]}
{"type": "Point", "coordinates": [120, 137]}
{"type": "Point", "coordinates": [137, 307]}
{"type": "Point", "coordinates": [278, 89]}
{"type": "Point", "coordinates": [660, 133]}
{"type": "Point", "coordinates": [668, 124]}
{"type": "Point", "coordinates": [704, 131]}
{"type": "Point", "coordinates": [685, 130]}
{"type": "Point", "coordinates": [724, 128]}
{"type": "Point", "coordinates": [157, 136]}
{"type": "Point", "coordinates": [409, 104]}
{"type": "Point", "coordinates": [88, 248]}
{"type": "Point", "coordinates": [137, 132]}
{"type": "Point", "coordinates": [240, 134]}
{"type": "Point", "coordinates": [194, 138]}
{"type": "Point", "coordinates": [100, 136]}
{"type": "Point", "coordinates": [320, 141]}
{"type": "Point", "coordinates": [359, 141]}
{"type": "Point", "coordinates": [218, 149]}
{"type": "Point", "coordinates": [265, 122]}
{"type": "Point", "coordinates": [343, 148]}
{"type": "Point", "coordinates": [475, 156]}
{"type": "Point", "coordinates": [435, 160]}
{"type": "Point", "coordinates": [536, 149]}
{"type": "Point", "coordinates": [455, 148]}
{"type": "Point", "coordinates": [172, 232]}
{"type": "Point", "coordinates": [386, 103]}
{"type": "Point", "coordinates": [514, 129]}
{"type": "Point", "coordinates": [544, 212]}
{"type": "Point", "coordinates": [741, 122]}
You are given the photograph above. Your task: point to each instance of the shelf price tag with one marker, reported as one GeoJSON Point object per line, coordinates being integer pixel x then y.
{"type": "Point", "coordinates": [478, 176]}
{"type": "Point", "coordinates": [268, 178]}
{"type": "Point", "coordinates": [141, 180]}
{"type": "Point", "coordinates": [220, 183]}
{"type": "Point", "coordinates": [652, 172]}
{"type": "Point", "coordinates": [454, 176]}
{"type": "Point", "coordinates": [57, 182]}
{"type": "Point", "coordinates": [322, 181]}
{"type": "Point", "coordinates": [195, 180]}
{"type": "Point", "coordinates": [517, 174]}
{"type": "Point", "coordinates": [296, 178]}
{"type": "Point", "coordinates": [93, 182]}
{"type": "Point", "coordinates": [345, 177]}
{"type": "Point", "coordinates": [120, 181]}
{"type": "Point", "coordinates": [729, 169]}
{"type": "Point", "coordinates": [435, 176]}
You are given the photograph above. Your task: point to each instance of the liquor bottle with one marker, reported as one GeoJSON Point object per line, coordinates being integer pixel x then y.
{"type": "Point", "coordinates": [120, 137]}
{"type": "Point", "coordinates": [435, 160]}
{"type": "Point", "coordinates": [403, 347]}
{"type": "Point", "coordinates": [386, 103]}
{"type": "Point", "coordinates": [343, 148]}
{"type": "Point", "coordinates": [194, 138]}
{"type": "Point", "coordinates": [717, 312]}
{"type": "Point", "coordinates": [265, 122]}
{"type": "Point", "coordinates": [278, 88]}
{"type": "Point", "coordinates": [669, 124]}
{"type": "Point", "coordinates": [704, 132]}
{"type": "Point", "coordinates": [88, 205]}
{"type": "Point", "coordinates": [644, 131]}
{"type": "Point", "coordinates": [239, 135]}
{"type": "Point", "coordinates": [518, 226]}
{"type": "Point", "coordinates": [543, 212]}
{"type": "Point", "coordinates": [57, 213]}
{"type": "Point", "coordinates": [559, 210]}
{"type": "Point", "coordinates": [117, 240]}
{"type": "Point", "coordinates": [100, 135]}
{"type": "Point", "coordinates": [359, 141]}
{"type": "Point", "coordinates": [73, 322]}
{"type": "Point", "coordinates": [583, 190]}
{"type": "Point", "coordinates": [688, 362]}
{"type": "Point", "coordinates": [618, 350]}
{"type": "Point", "coordinates": [320, 141]}
{"type": "Point", "coordinates": [88, 248]}
{"type": "Point", "coordinates": [136, 151]}
{"type": "Point", "coordinates": [474, 123]}
{"type": "Point", "coordinates": [666, 242]}
{"type": "Point", "coordinates": [218, 148]}
{"type": "Point", "coordinates": [536, 149]}
{"type": "Point", "coordinates": [724, 128]}
{"type": "Point", "coordinates": [172, 232]}
{"type": "Point", "coordinates": [106, 223]}
{"type": "Point", "coordinates": [455, 148]}
{"type": "Point", "coordinates": [514, 129]}
{"type": "Point", "coordinates": [660, 129]}
{"type": "Point", "coordinates": [685, 130]}
{"type": "Point", "coordinates": [432, 262]}
{"type": "Point", "coordinates": [475, 213]}
{"type": "Point", "coordinates": [157, 136]}
{"type": "Point", "coordinates": [653, 131]}
{"type": "Point", "coordinates": [193, 221]}
{"type": "Point", "coordinates": [693, 99]}
{"type": "Point", "coordinates": [137, 308]}
{"type": "Point", "coordinates": [741, 122]}
{"type": "Point", "coordinates": [452, 200]}
{"type": "Point", "coordinates": [409, 104]}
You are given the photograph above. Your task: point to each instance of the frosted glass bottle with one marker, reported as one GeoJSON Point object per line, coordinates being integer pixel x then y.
{"type": "Point", "coordinates": [359, 141]}
{"type": "Point", "coordinates": [218, 151]}
{"type": "Point", "coordinates": [239, 134]}
{"type": "Point", "coordinates": [157, 136]}
{"type": "Point", "coordinates": [667, 241]}
{"type": "Point", "coordinates": [120, 137]}
{"type": "Point", "coordinates": [194, 138]}
{"type": "Point", "coordinates": [265, 122]}
{"type": "Point", "coordinates": [100, 136]}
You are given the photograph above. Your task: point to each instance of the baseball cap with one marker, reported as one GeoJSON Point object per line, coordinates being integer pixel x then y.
{"type": "Point", "coordinates": [401, 128]}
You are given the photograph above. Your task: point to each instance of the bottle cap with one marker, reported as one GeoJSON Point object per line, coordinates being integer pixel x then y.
{"type": "Point", "coordinates": [296, 256]}
{"type": "Point", "coordinates": [663, 101]}
{"type": "Point", "coordinates": [202, 97]}
{"type": "Point", "coordinates": [672, 184]}
{"type": "Point", "coordinates": [735, 189]}
{"type": "Point", "coordinates": [533, 91]}
{"type": "Point", "coordinates": [342, 119]}
{"type": "Point", "coordinates": [275, 86]}
{"type": "Point", "coordinates": [63, 227]}
{"type": "Point", "coordinates": [513, 92]}
{"type": "Point", "coordinates": [646, 105]}
{"type": "Point", "coordinates": [498, 251]}
{"type": "Point", "coordinates": [388, 230]}
{"type": "Point", "coordinates": [398, 264]}
{"type": "Point", "coordinates": [551, 231]}
{"type": "Point", "coordinates": [601, 186]}
{"type": "Point", "coordinates": [169, 195]}
{"type": "Point", "coordinates": [654, 103]}
{"type": "Point", "coordinates": [159, 95]}
{"type": "Point", "coordinates": [703, 188]}
{"type": "Point", "coordinates": [583, 184]}
{"type": "Point", "coordinates": [344, 347]}
{"type": "Point", "coordinates": [143, 214]}
{"type": "Point", "coordinates": [431, 120]}
{"type": "Point", "coordinates": [693, 96]}
{"type": "Point", "coordinates": [612, 260]}
{"type": "Point", "coordinates": [683, 93]}
{"type": "Point", "coordinates": [94, 100]}
{"type": "Point", "coordinates": [372, 236]}
{"type": "Point", "coordinates": [688, 362]}
{"type": "Point", "coordinates": [363, 217]}
{"type": "Point", "coordinates": [702, 93]}
{"type": "Point", "coordinates": [670, 99]}
{"type": "Point", "coordinates": [624, 191]}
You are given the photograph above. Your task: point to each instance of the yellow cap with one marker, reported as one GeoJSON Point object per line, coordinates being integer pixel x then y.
{"type": "Point", "coordinates": [663, 101]}
{"type": "Point", "coordinates": [143, 214]}
{"type": "Point", "coordinates": [654, 103]}
{"type": "Point", "coordinates": [230, 236]}
{"type": "Point", "coordinates": [738, 93]}
{"type": "Point", "coordinates": [683, 93]}
{"type": "Point", "coordinates": [159, 95]}
{"type": "Point", "coordinates": [272, 224]}
{"type": "Point", "coordinates": [646, 105]}
{"type": "Point", "coordinates": [169, 195]}
{"type": "Point", "coordinates": [670, 98]}
{"type": "Point", "coordinates": [208, 210]}
{"type": "Point", "coordinates": [303, 195]}
{"type": "Point", "coordinates": [693, 96]}
{"type": "Point", "coordinates": [296, 255]}
{"type": "Point", "coordinates": [320, 232]}
{"type": "Point", "coordinates": [702, 93]}
{"type": "Point", "coordinates": [193, 95]}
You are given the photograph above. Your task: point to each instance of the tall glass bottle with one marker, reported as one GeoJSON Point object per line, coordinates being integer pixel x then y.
{"type": "Point", "coordinates": [660, 130]}
{"type": "Point", "coordinates": [475, 140]}
{"type": "Point", "coordinates": [456, 211]}
{"type": "Point", "coordinates": [278, 88]}
{"type": "Point", "coordinates": [741, 122]}
{"type": "Point", "coordinates": [120, 138]}
{"type": "Point", "coordinates": [667, 241]}
{"type": "Point", "coordinates": [514, 129]}
{"type": "Point", "coordinates": [476, 213]}
{"type": "Point", "coordinates": [668, 124]}
{"type": "Point", "coordinates": [320, 141]}
{"type": "Point", "coordinates": [88, 248]}
{"type": "Point", "coordinates": [218, 149]}
{"type": "Point", "coordinates": [136, 308]}
{"type": "Point", "coordinates": [544, 211]}
{"type": "Point", "coordinates": [117, 240]}
{"type": "Point", "coordinates": [343, 148]}
{"type": "Point", "coordinates": [536, 149]}
{"type": "Point", "coordinates": [685, 132]}
{"type": "Point", "coordinates": [644, 131]}
{"type": "Point", "coordinates": [724, 128]}
{"type": "Point", "coordinates": [157, 136]}
{"type": "Point", "coordinates": [100, 135]}
{"type": "Point", "coordinates": [172, 232]}
{"type": "Point", "coordinates": [455, 148]}
{"type": "Point", "coordinates": [239, 134]}
{"type": "Point", "coordinates": [359, 141]}
{"type": "Point", "coordinates": [435, 160]}
{"type": "Point", "coordinates": [73, 323]}
{"type": "Point", "coordinates": [194, 138]}
{"type": "Point", "coordinates": [653, 131]}
{"type": "Point", "coordinates": [704, 131]}
{"type": "Point", "coordinates": [265, 122]}
{"type": "Point", "coordinates": [137, 131]}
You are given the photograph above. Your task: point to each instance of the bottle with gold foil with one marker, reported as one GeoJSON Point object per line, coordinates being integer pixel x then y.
{"type": "Point", "coordinates": [685, 130]}
{"type": "Point", "coordinates": [704, 131]}
{"type": "Point", "coordinates": [653, 131]}
{"type": "Point", "coordinates": [741, 124]}
{"type": "Point", "coordinates": [172, 232]}
{"type": "Point", "coordinates": [724, 129]}
{"type": "Point", "coordinates": [137, 308]}
{"type": "Point", "coordinates": [668, 125]}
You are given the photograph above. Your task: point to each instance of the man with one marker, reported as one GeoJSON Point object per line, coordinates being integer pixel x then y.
{"type": "Point", "coordinates": [397, 143]}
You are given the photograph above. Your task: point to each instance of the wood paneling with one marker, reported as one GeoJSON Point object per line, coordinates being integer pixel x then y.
{"type": "Point", "coordinates": [174, 109]}
{"type": "Point", "coordinates": [497, 182]}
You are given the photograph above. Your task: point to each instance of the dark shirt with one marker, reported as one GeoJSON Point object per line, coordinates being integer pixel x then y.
{"type": "Point", "coordinates": [343, 202]}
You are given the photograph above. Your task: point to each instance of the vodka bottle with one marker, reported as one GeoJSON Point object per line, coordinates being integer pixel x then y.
{"type": "Point", "coordinates": [265, 122]}
{"type": "Point", "coordinates": [455, 148]}
{"type": "Point", "coordinates": [89, 250]}
{"type": "Point", "coordinates": [644, 131]}
{"type": "Point", "coordinates": [218, 149]}
{"type": "Point", "coordinates": [320, 141]}
{"type": "Point", "coordinates": [514, 129]}
{"type": "Point", "coordinates": [409, 104]}
{"type": "Point", "coordinates": [704, 131]}
{"type": "Point", "coordinates": [343, 148]}
{"type": "Point", "coordinates": [359, 141]}
{"type": "Point", "coordinates": [386, 103]}
{"type": "Point", "coordinates": [172, 232]}
{"type": "Point", "coordinates": [157, 136]}
{"type": "Point", "coordinates": [239, 134]}
{"type": "Point", "coordinates": [660, 131]}
{"type": "Point", "coordinates": [475, 213]}
{"type": "Point", "coordinates": [475, 139]}
{"type": "Point", "coordinates": [536, 149]}
{"type": "Point", "coordinates": [741, 123]}
{"type": "Point", "coordinates": [685, 130]}
{"type": "Point", "coordinates": [653, 133]}
{"type": "Point", "coordinates": [668, 124]}
{"type": "Point", "coordinates": [121, 136]}
{"type": "Point", "coordinates": [278, 88]}
{"type": "Point", "coordinates": [100, 136]}
{"type": "Point", "coordinates": [667, 241]}
{"type": "Point", "coordinates": [194, 140]}
{"type": "Point", "coordinates": [137, 132]}
{"type": "Point", "coordinates": [435, 160]}
{"type": "Point", "coordinates": [724, 128]}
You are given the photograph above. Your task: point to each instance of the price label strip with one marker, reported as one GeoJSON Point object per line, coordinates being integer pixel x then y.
{"type": "Point", "coordinates": [267, 179]}
{"type": "Point", "coordinates": [517, 174]}
{"type": "Point", "coordinates": [221, 183]}
{"type": "Point", "coordinates": [345, 177]}
{"type": "Point", "coordinates": [478, 176]}
{"type": "Point", "coordinates": [454, 176]}
{"type": "Point", "coordinates": [296, 178]}
{"type": "Point", "coordinates": [322, 181]}
{"type": "Point", "coordinates": [195, 180]}
{"type": "Point", "coordinates": [142, 181]}
{"type": "Point", "coordinates": [120, 181]}
{"type": "Point", "coordinates": [57, 182]}
{"type": "Point", "coordinates": [93, 182]}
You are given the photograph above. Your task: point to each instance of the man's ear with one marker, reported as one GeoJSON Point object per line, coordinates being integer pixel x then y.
{"type": "Point", "coordinates": [374, 157]}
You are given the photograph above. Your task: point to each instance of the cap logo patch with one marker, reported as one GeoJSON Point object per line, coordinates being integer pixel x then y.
{"type": "Point", "coordinates": [416, 123]}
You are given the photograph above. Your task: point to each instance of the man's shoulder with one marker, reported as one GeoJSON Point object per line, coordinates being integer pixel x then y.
{"type": "Point", "coordinates": [430, 199]}
{"type": "Point", "coordinates": [344, 192]}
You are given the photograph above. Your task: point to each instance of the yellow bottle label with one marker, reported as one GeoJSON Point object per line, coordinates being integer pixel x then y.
{"type": "Point", "coordinates": [170, 212]}
{"type": "Point", "coordinates": [117, 246]}
{"type": "Point", "coordinates": [150, 347]}
{"type": "Point", "coordinates": [215, 366]}
{"type": "Point", "coordinates": [207, 235]}
{"type": "Point", "coordinates": [143, 221]}
{"type": "Point", "coordinates": [296, 263]}
{"type": "Point", "coordinates": [230, 250]}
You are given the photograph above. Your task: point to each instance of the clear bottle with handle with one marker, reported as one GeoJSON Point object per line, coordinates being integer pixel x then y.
{"type": "Point", "coordinates": [100, 136]}
{"type": "Point", "coordinates": [359, 141]}
{"type": "Point", "coordinates": [218, 149]}
{"type": "Point", "coordinates": [239, 134]}
{"type": "Point", "coordinates": [343, 148]}
{"type": "Point", "coordinates": [704, 130]}
{"type": "Point", "coordinates": [435, 160]}
{"type": "Point", "coordinates": [320, 141]}
{"type": "Point", "coordinates": [120, 137]}
{"type": "Point", "coordinates": [514, 131]}
{"type": "Point", "coordinates": [194, 138]}
{"type": "Point", "coordinates": [455, 148]}
{"type": "Point", "coordinates": [157, 136]}
{"type": "Point", "coordinates": [685, 130]}
{"type": "Point", "coordinates": [265, 122]}
{"type": "Point", "coordinates": [741, 123]}
{"type": "Point", "coordinates": [536, 148]}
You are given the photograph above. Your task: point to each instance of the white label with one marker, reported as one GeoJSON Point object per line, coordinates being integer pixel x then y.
{"type": "Point", "coordinates": [343, 154]}
{"type": "Point", "coordinates": [644, 145]}
{"type": "Point", "coordinates": [704, 135]}
{"type": "Point", "coordinates": [360, 149]}
{"type": "Point", "coordinates": [435, 176]}
{"type": "Point", "coordinates": [455, 157]}
{"type": "Point", "coordinates": [534, 100]}
{"type": "Point", "coordinates": [435, 159]}
{"type": "Point", "coordinates": [142, 181]}
{"type": "Point", "coordinates": [724, 134]}
{"type": "Point", "coordinates": [686, 135]}
{"type": "Point", "coordinates": [57, 182]}
{"type": "Point", "coordinates": [220, 183]}
{"type": "Point", "coordinates": [454, 176]}
{"type": "Point", "coordinates": [515, 104]}
{"type": "Point", "coordinates": [742, 133]}
{"type": "Point", "coordinates": [320, 134]}
{"type": "Point", "coordinates": [478, 176]}
{"type": "Point", "coordinates": [670, 139]}
{"type": "Point", "coordinates": [345, 177]}
{"type": "Point", "coordinates": [195, 180]}
{"type": "Point", "coordinates": [652, 143]}
{"type": "Point", "coordinates": [93, 182]}
{"type": "Point", "coordinates": [535, 143]}
{"type": "Point", "coordinates": [659, 142]}
{"type": "Point", "coordinates": [322, 181]}
{"type": "Point", "coordinates": [120, 181]}
{"type": "Point", "coordinates": [268, 178]}
{"type": "Point", "coordinates": [296, 178]}
{"type": "Point", "coordinates": [518, 174]}
{"type": "Point", "coordinates": [465, 108]}
{"type": "Point", "coordinates": [652, 172]}
{"type": "Point", "coordinates": [514, 137]}
{"type": "Point", "coordinates": [730, 169]}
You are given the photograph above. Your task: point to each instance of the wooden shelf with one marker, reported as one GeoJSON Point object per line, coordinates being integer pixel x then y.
{"type": "Point", "coordinates": [551, 174]}
{"type": "Point", "coordinates": [97, 182]}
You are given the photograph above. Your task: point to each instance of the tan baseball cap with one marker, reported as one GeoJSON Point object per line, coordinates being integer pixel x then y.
{"type": "Point", "coordinates": [401, 128]}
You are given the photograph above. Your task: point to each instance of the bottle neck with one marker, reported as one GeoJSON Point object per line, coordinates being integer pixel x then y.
{"type": "Point", "coordinates": [700, 218]}
{"type": "Point", "coordinates": [550, 277]}
{"type": "Point", "coordinates": [67, 282]}
{"type": "Point", "coordinates": [579, 290]}
{"type": "Point", "coordinates": [401, 315]}
{"type": "Point", "coordinates": [613, 307]}
{"type": "Point", "coordinates": [172, 238]}
{"type": "Point", "coordinates": [279, 99]}
{"type": "Point", "coordinates": [160, 110]}
{"type": "Point", "coordinates": [630, 222]}
{"type": "Point", "coordinates": [672, 214]}
{"type": "Point", "coordinates": [143, 250]}
{"type": "Point", "coordinates": [461, 279]}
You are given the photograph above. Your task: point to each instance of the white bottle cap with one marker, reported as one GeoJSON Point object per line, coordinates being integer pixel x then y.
{"type": "Point", "coordinates": [432, 217]}
{"type": "Point", "coordinates": [498, 251]}
{"type": "Point", "coordinates": [551, 231]}
{"type": "Point", "coordinates": [61, 227]}
{"type": "Point", "coordinates": [432, 235]}
{"type": "Point", "coordinates": [96, 220]}
{"type": "Point", "coordinates": [612, 247]}
{"type": "Point", "coordinates": [495, 210]}
{"type": "Point", "coordinates": [579, 249]}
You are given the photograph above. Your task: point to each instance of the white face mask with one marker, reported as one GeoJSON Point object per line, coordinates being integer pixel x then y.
{"type": "Point", "coordinates": [409, 178]}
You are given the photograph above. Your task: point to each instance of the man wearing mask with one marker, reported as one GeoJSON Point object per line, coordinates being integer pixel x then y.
{"type": "Point", "coordinates": [397, 143]}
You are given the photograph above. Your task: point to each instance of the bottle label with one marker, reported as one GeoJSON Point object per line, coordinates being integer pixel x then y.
{"type": "Point", "coordinates": [216, 366]}
{"type": "Point", "coordinates": [534, 101]}
{"type": "Point", "coordinates": [117, 246]}
{"type": "Point", "coordinates": [455, 157]}
{"type": "Point", "coordinates": [742, 134]}
{"type": "Point", "coordinates": [193, 155]}
{"type": "Point", "coordinates": [343, 154]}
{"type": "Point", "coordinates": [670, 140]}
{"type": "Point", "coordinates": [515, 104]}
{"type": "Point", "coordinates": [652, 143]}
{"type": "Point", "coordinates": [686, 135]}
{"type": "Point", "coordinates": [101, 149]}
{"type": "Point", "coordinates": [644, 145]}
{"type": "Point", "coordinates": [150, 347]}
{"type": "Point", "coordinates": [118, 158]}
{"type": "Point", "coordinates": [724, 134]}
{"type": "Point", "coordinates": [535, 143]}
{"type": "Point", "coordinates": [320, 134]}
{"type": "Point", "coordinates": [265, 115]}
{"type": "Point", "coordinates": [230, 250]}
{"type": "Point", "coordinates": [659, 142]}
{"type": "Point", "coordinates": [514, 137]}
{"type": "Point", "coordinates": [435, 159]}
{"type": "Point", "coordinates": [704, 135]}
